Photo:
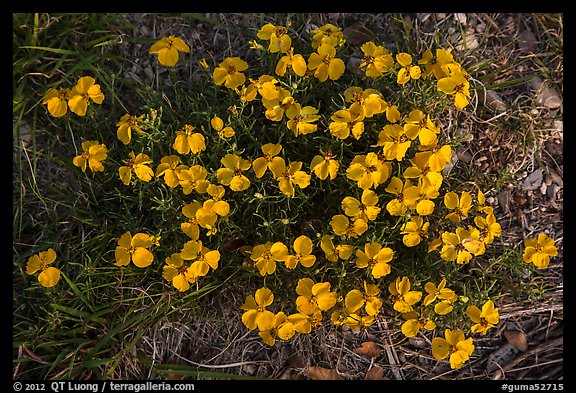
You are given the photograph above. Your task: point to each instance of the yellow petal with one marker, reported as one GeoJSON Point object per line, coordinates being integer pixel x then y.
{"type": "Point", "coordinates": [142, 257]}
{"type": "Point", "coordinates": [49, 277]}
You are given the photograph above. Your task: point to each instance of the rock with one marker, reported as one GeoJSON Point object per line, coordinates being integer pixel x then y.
{"type": "Point", "coordinates": [554, 177]}
{"type": "Point", "coordinates": [470, 44]}
{"type": "Point", "coordinates": [527, 42]}
{"type": "Point", "coordinates": [460, 17]}
{"type": "Point", "coordinates": [545, 95]}
{"type": "Point", "coordinates": [358, 34]}
{"type": "Point", "coordinates": [504, 199]}
{"type": "Point", "coordinates": [533, 180]}
{"type": "Point", "coordinates": [353, 65]}
{"type": "Point", "coordinates": [492, 100]}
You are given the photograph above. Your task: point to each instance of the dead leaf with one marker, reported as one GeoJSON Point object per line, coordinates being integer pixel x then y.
{"type": "Point", "coordinates": [517, 338]}
{"type": "Point", "coordinates": [369, 349]}
{"type": "Point", "coordinates": [376, 373]}
{"type": "Point", "coordinates": [322, 373]}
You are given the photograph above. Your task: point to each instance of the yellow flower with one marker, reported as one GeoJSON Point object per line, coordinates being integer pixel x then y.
{"type": "Point", "coordinates": [484, 319]}
{"type": "Point", "coordinates": [414, 322]}
{"type": "Point", "coordinates": [539, 250]}
{"type": "Point", "coordinates": [177, 272]}
{"type": "Point", "coordinates": [49, 275]}
{"type": "Point", "coordinates": [422, 171]}
{"type": "Point", "coordinates": [231, 175]}
{"type": "Point", "coordinates": [368, 299]}
{"type": "Point", "coordinates": [255, 314]}
{"type": "Point", "coordinates": [394, 141]}
{"type": "Point", "coordinates": [189, 141]}
{"type": "Point", "coordinates": [369, 100]}
{"type": "Point", "coordinates": [375, 258]}
{"type": "Point", "coordinates": [324, 63]}
{"type": "Point", "coordinates": [204, 258]}
{"type": "Point", "coordinates": [266, 255]}
{"type": "Point", "coordinates": [294, 61]}
{"type": "Point", "coordinates": [278, 106]}
{"type": "Point", "coordinates": [324, 165]}
{"type": "Point", "coordinates": [327, 34]}
{"type": "Point", "coordinates": [456, 84]}
{"type": "Point", "coordinates": [135, 249]}
{"type": "Point", "coordinates": [193, 178]}
{"type": "Point", "coordinates": [333, 253]}
{"type": "Point", "coordinates": [218, 205]}
{"type": "Point", "coordinates": [365, 209]}
{"type": "Point", "coordinates": [303, 248]}
{"type": "Point", "coordinates": [278, 327]}
{"type": "Point", "coordinates": [94, 153]}
{"type": "Point", "coordinates": [438, 292]}
{"type": "Point", "coordinates": [204, 64]}
{"type": "Point", "coordinates": [419, 125]}
{"type": "Point", "coordinates": [206, 216]}
{"type": "Point", "coordinates": [125, 125]}
{"type": "Point", "coordinates": [347, 121]}
{"type": "Point", "coordinates": [461, 205]}
{"type": "Point", "coordinates": [265, 85]}
{"type": "Point", "coordinates": [137, 165]}
{"type": "Point", "coordinates": [368, 171]}
{"type": "Point", "coordinates": [169, 167]}
{"type": "Point", "coordinates": [358, 322]}
{"type": "Point", "coordinates": [261, 164]}
{"type": "Point", "coordinates": [305, 322]}
{"type": "Point", "coordinates": [376, 60]}
{"type": "Point", "coordinates": [406, 196]}
{"type": "Point", "coordinates": [229, 72]}
{"type": "Point", "coordinates": [280, 41]}
{"type": "Point", "coordinates": [424, 192]}
{"type": "Point", "coordinates": [489, 228]}
{"type": "Point", "coordinates": [438, 156]}
{"type": "Point", "coordinates": [168, 49]}
{"type": "Point", "coordinates": [86, 89]}
{"type": "Point", "coordinates": [341, 226]}
{"type": "Point", "coordinates": [402, 297]}
{"type": "Point", "coordinates": [435, 65]}
{"type": "Point", "coordinates": [408, 71]}
{"type": "Point", "coordinates": [392, 113]}
{"type": "Point", "coordinates": [56, 101]}
{"type": "Point", "coordinates": [300, 119]}
{"type": "Point", "coordinates": [414, 230]}
{"type": "Point", "coordinates": [314, 295]}
{"type": "Point", "coordinates": [287, 176]}
{"type": "Point", "coordinates": [454, 345]}
{"type": "Point", "coordinates": [218, 125]}
{"type": "Point", "coordinates": [462, 245]}
{"type": "Point", "coordinates": [191, 227]}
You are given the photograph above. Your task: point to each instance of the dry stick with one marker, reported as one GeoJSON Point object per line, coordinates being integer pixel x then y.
{"type": "Point", "coordinates": [540, 348]}
{"type": "Point", "coordinates": [392, 356]}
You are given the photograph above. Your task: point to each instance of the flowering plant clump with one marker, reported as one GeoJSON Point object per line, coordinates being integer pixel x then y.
{"type": "Point", "coordinates": [340, 194]}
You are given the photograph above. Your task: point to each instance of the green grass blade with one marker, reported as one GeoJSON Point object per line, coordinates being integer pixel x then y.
{"type": "Point", "coordinates": [53, 50]}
